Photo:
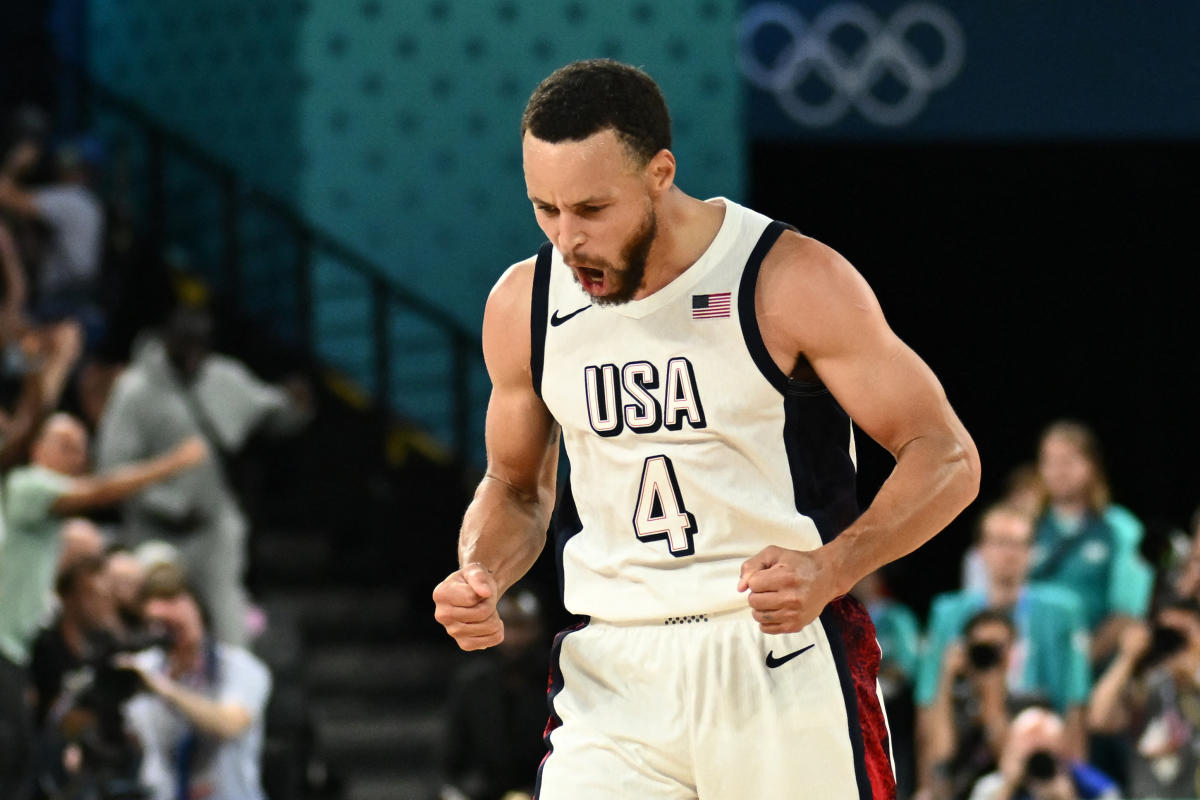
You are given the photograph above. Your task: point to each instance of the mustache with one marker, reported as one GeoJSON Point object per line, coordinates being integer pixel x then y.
{"type": "Point", "coordinates": [585, 261]}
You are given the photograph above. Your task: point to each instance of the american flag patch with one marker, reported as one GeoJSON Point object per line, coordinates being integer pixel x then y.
{"type": "Point", "coordinates": [709, 306]}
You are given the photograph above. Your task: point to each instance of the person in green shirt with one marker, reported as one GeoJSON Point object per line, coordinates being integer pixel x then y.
{"type": "Point", "coordinates": [37, 498]}
{"type": "Point", "coordinates": [1086, 544]}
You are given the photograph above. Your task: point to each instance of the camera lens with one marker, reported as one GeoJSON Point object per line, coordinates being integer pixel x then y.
{"type": "Point", "coordinates": [983, 655]}
{"type": "Point", "coordinates": [1041, 765]}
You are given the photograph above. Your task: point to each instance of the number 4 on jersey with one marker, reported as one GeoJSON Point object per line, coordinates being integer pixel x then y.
{"type": "Point", "coordinates": [660, 513]}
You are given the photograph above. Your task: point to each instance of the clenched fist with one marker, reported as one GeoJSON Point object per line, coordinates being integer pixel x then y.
{"type": "Point", "coordinates": [465, 605]}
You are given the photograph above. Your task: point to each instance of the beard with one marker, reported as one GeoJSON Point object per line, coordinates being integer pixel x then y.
{"type": "Point", "coordinates": [627, 279]}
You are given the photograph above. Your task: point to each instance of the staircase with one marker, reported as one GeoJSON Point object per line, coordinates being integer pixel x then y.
{"type": "Point", "coordinates": [346, 551]}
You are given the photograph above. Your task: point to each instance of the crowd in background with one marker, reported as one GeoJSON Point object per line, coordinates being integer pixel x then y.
{"type": "Point", "coordinates": [126, 662]}
{"type": "Point", "coordinates": [1067, 665]}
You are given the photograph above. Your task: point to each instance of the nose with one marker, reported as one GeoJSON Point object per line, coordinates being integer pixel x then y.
{"type": "Point", "coordinates": [570, 234]}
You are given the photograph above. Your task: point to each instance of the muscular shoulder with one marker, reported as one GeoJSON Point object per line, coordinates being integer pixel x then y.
{"type": "Point", "coordinates": [809, 295]}
{"type": "Point", "coordinates": [506, 323]}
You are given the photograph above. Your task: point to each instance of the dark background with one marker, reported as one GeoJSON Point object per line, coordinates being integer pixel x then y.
{"type": "Point", "coordinates": [1040, 281]}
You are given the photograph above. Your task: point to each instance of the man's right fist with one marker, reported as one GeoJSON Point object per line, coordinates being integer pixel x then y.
{"type": "Point", "coordinates": [465, 605]}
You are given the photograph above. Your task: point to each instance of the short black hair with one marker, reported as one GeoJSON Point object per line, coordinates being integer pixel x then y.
{"type": "Point", "coordinates": [587, 97]}
{"type": "Point", "coordinates": [987, 615]}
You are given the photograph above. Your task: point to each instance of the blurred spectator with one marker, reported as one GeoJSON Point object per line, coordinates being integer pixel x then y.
{"type": "Point", "coordinates": [967, 722]}
{"type": "Point", "coordinates": [497, 710]}
{"type": "Point", "coordinates": [1152, 690]}
{"type": "Point", "coordinates": [177, 387]}
{"type": "Point", "coordinates": [1185, 577]}
{"type": "Point", "coordinates": [16, 291]}
{"type": "Point", "coordinates": [1048, 659]}
{"type": "Point", "coordinates": [86, 612]}
{"type": "Point", "coordinates": [200, 724]}
{"type": "Point", "coordinates": [899, 642]}
{"type": "Point", "coordinates": [125, 574]}
{"type": "Point", "coordinates": [1083, 542]}
{"type": "Point", "coordinates": [1038, 764]}
{"type": "Point", "coordinates": [36, 499]}
{"type": "Point", "coordinates": [41, 359]}
{"type": "Point", "coordinates": [1023, 491]}
{"type": "Point", "coordinates": [72, 673]}
{"type": "Point", "coordinates": [67, 271]}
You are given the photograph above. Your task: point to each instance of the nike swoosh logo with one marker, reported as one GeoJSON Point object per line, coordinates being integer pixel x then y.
{"type": "Point", "coordinates": [773, 662]}
{"type": "Point", "coordinates": [556, 320]}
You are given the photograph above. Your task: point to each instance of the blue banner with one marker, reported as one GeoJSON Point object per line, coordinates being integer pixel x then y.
{"type": "Point", "coordinates": [1000, 69]}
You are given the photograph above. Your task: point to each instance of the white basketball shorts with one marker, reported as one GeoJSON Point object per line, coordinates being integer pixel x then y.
{"type": "Point", "coordinates": [710, 707]}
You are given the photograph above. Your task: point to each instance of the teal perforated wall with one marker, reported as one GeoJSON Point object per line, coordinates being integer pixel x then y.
{"type": "Point", "coordinates": [411, 113]}
{"type": "Point", "coordinates": [394, 126]}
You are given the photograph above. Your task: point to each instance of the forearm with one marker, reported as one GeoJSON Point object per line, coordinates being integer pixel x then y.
{"type": "Point", "coordinates": [24, 423]}
{"type": "Point", "coordinates": [994, 717]}
{"type": "Point", "coordinates": [1107, 693]}
{"type": "Point", "coordinates": [504, 529]}
{"type": "Point", "coordinates": [211, 717]}
{"type": "Point", "coordinates": [116, 484]}
{"type": "Point", "coordinates": [1106, 637]}
{"type": "Point", "coordinates": [934, 479]}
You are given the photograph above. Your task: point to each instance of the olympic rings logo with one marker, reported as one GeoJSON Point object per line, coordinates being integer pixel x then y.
{"type": "Point", "coordinates": [850, 79]}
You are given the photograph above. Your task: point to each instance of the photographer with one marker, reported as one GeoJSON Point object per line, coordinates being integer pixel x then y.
{"type": "Point", "coordinates": [1049, 654]}
{"type": "Point", "coordinates": [84, 751]}
{"type": "Point", "coordinates": [37, 498]}
{"type": "Point", "coordinates": [1036, 764]}
{"type": "Point", "coordinates": [200, 722]}
{"type": "Point", "coordinates": [1153, 681]}
{"type": "Point", "coordinates": [969, 718]}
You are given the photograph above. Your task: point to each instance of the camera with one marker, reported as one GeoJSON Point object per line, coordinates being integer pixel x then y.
{"type": "Point", "coordinates": [983, 655]}
{"type": "Point", "coordinates": [1165, 642]}
{"type": "Point", "coordinates": [1041, 766]}
{"type": "Point", "coordinates": [91, 715]}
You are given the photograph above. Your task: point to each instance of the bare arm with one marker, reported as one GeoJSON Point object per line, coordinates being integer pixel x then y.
{"type": "Point", "coordinates": [504, 528]}
{"type": "Point", "coordinates": [15, 289]}
{"type": "Point", "coordinates": [1106, 707]}
{"type": "Point", "coordinates": [813, 306]}
{"type": "Point", "coordinates": [19, 430]}
{"type": "Point", "coordinates": [224, 720]}
{"type": "Point", "coordinates": [937, 742]}
{"type": "Point", "coordinates": [117, 484]}
{"type": "Point", "coordinates": [15, 199]}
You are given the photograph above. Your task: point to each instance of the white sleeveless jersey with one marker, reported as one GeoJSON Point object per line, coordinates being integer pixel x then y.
{"type": "Point", "coordinates": [689, 450]}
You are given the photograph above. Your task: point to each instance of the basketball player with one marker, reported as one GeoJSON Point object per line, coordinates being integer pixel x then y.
{"type": "Point", "coordinates": [703, 364]}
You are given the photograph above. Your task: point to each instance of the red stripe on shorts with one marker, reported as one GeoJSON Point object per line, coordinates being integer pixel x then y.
{"type": "Point", "coordinates": [862, 668]}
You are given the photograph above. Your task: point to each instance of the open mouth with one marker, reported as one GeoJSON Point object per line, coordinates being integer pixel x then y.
{"type": "Point", "coordinates": [591, 279]}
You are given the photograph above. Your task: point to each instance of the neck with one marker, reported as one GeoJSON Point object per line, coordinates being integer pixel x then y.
{"type": "Point", "coordinates": [686, 228]}
{"type": "Point", "coordinates": [1003, 593]}
{"type": "Point", "coordinates": [74, 634]}
{"type": "Point", "coordinates": [1070, 507]}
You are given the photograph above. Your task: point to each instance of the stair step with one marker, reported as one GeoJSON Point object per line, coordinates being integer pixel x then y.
{"type": "Point", "coordinates": [404, 744]}
{"type": "Point", "coordinates": [343, 613]}
{"type": "Point", "coordinates": [400, 669]}
{"type": "Point", "coordinates": [289, 557]}
{"type": "Point", "coordinates": [392, 786]}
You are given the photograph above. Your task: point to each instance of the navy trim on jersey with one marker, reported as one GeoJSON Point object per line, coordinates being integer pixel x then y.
{"type": "Point", "coordinates": [837, 646]}
{"type": "Point", "coordinates": [816, 438]}
{"type": "Point", "coordinates": [565, 524]}
{"type": "Point", "coordinates": [538, 309]}
{"type": "Point", "coordinates": [554, 687]}
{"type": "Point", "coordinates": [816, 430]}
{"type": "Point", "coordinates": [746, 313]}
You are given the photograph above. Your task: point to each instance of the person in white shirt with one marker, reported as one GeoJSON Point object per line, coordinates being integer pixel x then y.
{"type": "Point", "coordinates": [200, 724]}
